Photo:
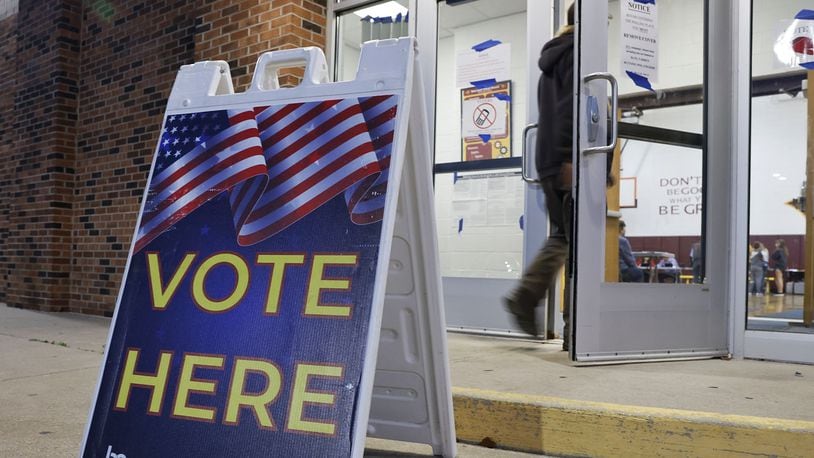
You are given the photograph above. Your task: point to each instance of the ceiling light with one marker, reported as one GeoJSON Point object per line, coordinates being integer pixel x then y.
{"type": "Point", "coordinates": [775, 175]}
{"type": "Point", "coordinates": [389, 9]}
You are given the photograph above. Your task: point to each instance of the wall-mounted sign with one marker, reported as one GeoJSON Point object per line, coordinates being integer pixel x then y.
{"type": "Point", "coordinates": [488, 60]}
{"type": "Point", "coordinates": [486, 122]}
{"type": "Point", "coordinates": [639, 41]}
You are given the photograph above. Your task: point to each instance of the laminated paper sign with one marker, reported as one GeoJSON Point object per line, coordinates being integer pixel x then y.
{"type": "Point", "coordinates": [639, 43]}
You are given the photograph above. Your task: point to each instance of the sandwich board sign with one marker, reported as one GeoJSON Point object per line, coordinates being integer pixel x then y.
{"type": "Point", "coordinates": [282, 293]}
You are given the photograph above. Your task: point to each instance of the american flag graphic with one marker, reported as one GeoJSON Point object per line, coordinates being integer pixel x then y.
{"type": "Point", "coordinates": [278, 164]}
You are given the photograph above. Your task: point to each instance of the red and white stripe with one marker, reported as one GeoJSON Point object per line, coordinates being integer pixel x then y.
{"type": "Point", "coordinates": [232, 156]}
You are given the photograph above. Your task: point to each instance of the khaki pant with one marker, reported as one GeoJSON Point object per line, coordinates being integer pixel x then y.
{"type": "Point", "coordinates": [543, 270]}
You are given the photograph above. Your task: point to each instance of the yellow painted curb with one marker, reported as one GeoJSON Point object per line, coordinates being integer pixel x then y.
{"type": "Point", "coordinates": [564, 427]}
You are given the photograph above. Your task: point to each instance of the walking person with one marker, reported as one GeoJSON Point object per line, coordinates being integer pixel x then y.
{"type": "Point", "coordinates": [555, 102]}
{"type": "Point", "coordinates": [780, 258]}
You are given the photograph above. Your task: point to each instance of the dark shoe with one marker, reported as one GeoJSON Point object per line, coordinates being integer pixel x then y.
{"type": "Point", "coordinates": [523, 315]}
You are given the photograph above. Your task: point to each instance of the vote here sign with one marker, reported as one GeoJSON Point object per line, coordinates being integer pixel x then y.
{"type": "Point", "coordinates": [243, 318]}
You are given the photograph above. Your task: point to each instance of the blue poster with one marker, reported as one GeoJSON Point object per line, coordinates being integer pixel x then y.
{"type": "Point", "coordinates": [243, 317]}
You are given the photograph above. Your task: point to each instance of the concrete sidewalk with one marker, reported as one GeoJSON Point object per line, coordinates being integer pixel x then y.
{"type": "Point", "coordinates": [49, 364]}
{"type": "Point", "coordinates": [515, 394]}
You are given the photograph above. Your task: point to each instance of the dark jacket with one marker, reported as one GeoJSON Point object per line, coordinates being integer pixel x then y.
{"type": "Point", "coordinates": [555, 101]}
{"type": "Point", "coordinates": [779, 259]}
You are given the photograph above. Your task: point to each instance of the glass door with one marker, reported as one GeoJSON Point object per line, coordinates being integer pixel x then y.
{"type": "Point", "coordinates": [649, 253]}
{"type": "Point", "coordinates": [779, 298]}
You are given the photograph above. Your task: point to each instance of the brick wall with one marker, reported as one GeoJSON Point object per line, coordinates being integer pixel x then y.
{"type": "Point", "coordinates": [8, 82]}
{"type": "Point", "coordinates": [238, 31]}
{"type": "Point", "coordinates": [81, 100]}
{"type": "Point", "coordinates": [37, 244]}
{"type": "Point", "coordinates": [130, 53]}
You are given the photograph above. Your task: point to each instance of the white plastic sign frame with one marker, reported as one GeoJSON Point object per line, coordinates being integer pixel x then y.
{"type": "Point", "coordinates": [413, 401]}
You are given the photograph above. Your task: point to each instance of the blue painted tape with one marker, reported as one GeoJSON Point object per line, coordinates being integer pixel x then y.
{"type": "Point", "coordinates": [486, 45]}
{"type": "Point", "coordinates": [504, 97]}
{"type": "Point", "coordinates": [521, 222]}
{"type": "Point", "coordinates": [483, 84]}
{"type": "Point", "coordinates": [805, 15]}
{"type": "Point", "coordinates": [485, 137]}
{"type": "Point", "coordinates": [454, 177]}
{"type": "Point", "coordinates": [646, 2]}
{"type": "Point", "coordinates": [460, 225]}
{"type": "Point", "coordinates": [808, 65]}
{"type": "Point", "coordinates": [640, 80]}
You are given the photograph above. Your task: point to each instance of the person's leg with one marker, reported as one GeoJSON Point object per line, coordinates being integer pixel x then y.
{"type": "Point", "coordinates": [543, 269]}
{"type": "Point", "coordinates": [759, 283]}
{"type": "Point", "coordinates": [778, 281]}
{"type": "Point", "coordinates": [567, 213]}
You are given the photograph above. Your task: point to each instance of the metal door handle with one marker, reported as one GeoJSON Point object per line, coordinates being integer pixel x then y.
{"type": "Point", "coordinates": [526, 131]}
{"type": "Point", "coordinates": [592, 119]}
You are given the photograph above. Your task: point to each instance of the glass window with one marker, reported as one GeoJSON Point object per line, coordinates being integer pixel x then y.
{"type": "Point", "coordinates": [778, 162]}
{"type": "Point", "coordinates": [661, 161]}
{"type": "Point", "coordinates": [376, 21]}
{"type": "Point", "coordinates": [479, 214]}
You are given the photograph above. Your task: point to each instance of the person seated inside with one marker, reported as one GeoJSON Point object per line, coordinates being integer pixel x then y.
{"type": "Point", "coordinates": [629, 272]}
{"type": "Point", "coordinates": [668, 270]}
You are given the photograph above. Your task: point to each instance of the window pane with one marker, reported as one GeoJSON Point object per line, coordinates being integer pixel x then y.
{"type": "Point", "coordinates": [385, 19]}
{"type": "Point", "coordinates": [778, 167]}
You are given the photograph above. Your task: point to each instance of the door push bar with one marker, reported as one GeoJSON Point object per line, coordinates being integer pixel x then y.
{"type": "Point", "coordinates": [524, 167]}
{"type": "Point", "coordinates": [593, 114]}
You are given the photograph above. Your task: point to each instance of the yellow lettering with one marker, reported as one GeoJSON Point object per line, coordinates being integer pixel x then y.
{"type": "Point", "coordinates": [278, 263]}
{"type": "Point", "coordinates": [161, 296]}
{"type": "Point", "coordinates": [189, 384]}
{"type": "Point", "coordinates": [156, 383]}
{"type": "Point", "coordinates": [318, 283]}
{"type": "Point", "coordinates": [241, 282]}
{"type": "Point", "coordinates": [258, 402]}
{"type": "Point", "coordinates": [302, 396]}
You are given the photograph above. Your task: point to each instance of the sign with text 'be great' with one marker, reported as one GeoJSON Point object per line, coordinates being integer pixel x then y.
{"type": "Point", "coordinates": [256, 277]}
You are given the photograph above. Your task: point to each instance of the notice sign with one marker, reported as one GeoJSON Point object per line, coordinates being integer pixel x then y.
{"type": "Point", "coordinates": [486, 122]}
{"type": "Point", "coordinates": [640, 41]}
{"type": "Point", "coordinates": [243, 319]}
{"type": "Point", "coordinates": [482, 64]}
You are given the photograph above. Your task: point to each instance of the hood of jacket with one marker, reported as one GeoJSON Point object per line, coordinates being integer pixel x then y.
{"type": "Point", "coordinates": [553, 50]}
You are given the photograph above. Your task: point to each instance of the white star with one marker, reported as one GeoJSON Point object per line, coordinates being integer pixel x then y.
{"type": "Point", "coordinates": [183, 117]}
{"type": "Point", "coordinates": [197, 139]}
{"type": "Point", "coordinates": [174, 130]}
{"type": "Point", "coordinates": [165, 142]}
{"type": "Point", "coordinates": [177, 153]}
{"type": "Point", "coordinates": [186, 140]}
{"type": "Point", "coordinates": [175, 142]}
{"type": "Point", "coordinates": [172, 118]}
{"type": "Point", "coordinates": [164, 130]}
{"type": "Point", "coordinates": [192, 116]}
{"type": "Point", "coordinates": [184, 129]}
{"type": "Point", "coordinates": [167, 153]}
